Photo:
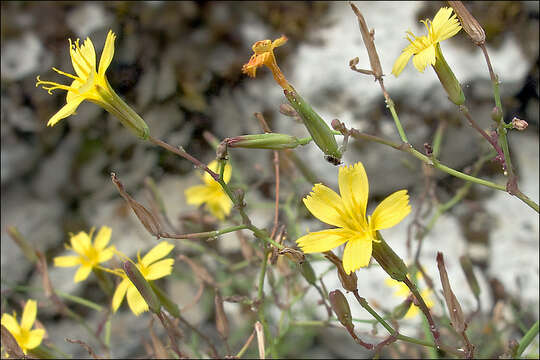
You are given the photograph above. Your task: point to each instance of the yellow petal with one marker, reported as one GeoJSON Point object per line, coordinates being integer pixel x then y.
{"type": "Point", "coordinates": [198, 194]}
{"type": "Point", "coordinates": [81, 243]}
{"type": "Point", "coordinates": [279, 41]}
{"type": "Point", "coordinates": [401, 62]}
{"type": "Point", "coordinates": [119, 293]}
{"type": "Point", "coordinates": [89, 53]}
{"type": "Point", "coordinates": [66, 110]}
{"type": "Point", "coordinates": [81, 68]}
{"type": "Point", "coordinates": [159, 269]}
{"type": "Point", "coordinates": [220, 206]}
{"type": "Point", "coordinates": [29, 315]}
{"type": "Point", "coordinates": [107, 54]}
{"type": "Point", "coordinates": [67, 261]}
{"type": "Point", "coordinates": [136, 301]}
{"type": "Point", "coordinates": [356, 254]}
{"type": "Point", "coordinates": [159, 251]}
{"type": "Point", "coordinates": [354, 188]}
{"type": "Point", "coordinates": [412, 312]}
{"type": "Point", "coordinates": [424, 58]}
{"type": "Point", "coordinates": [102, 238]}
{"type": "Point", "coordinates": [34, 338]}
{"type": "Point", "coordinates": [11, 324]}
{"type": "Point", "coordinates": [82, 273]}
{"type": "Point", "coordinates": [391, 210]}
{"type": "Point", "coordinates": [106, 254]}
{"type": "Point", "coordinates": [326, 206]}
{"type": "Point", "coordinates": [444, 25]}
{"type": "Point", "coordinates": [324, 240]}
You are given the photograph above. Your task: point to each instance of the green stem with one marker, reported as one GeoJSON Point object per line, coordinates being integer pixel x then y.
{"type": "Point", "coordinates": [202, 235]}
{"type": "Point", "coordinates": [390, 105]}
{"type": "Point", "coordinates": [527, 338]}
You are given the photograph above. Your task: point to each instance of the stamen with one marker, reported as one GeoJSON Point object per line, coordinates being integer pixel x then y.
{"type": "Point", "coordinates": [66, 74]}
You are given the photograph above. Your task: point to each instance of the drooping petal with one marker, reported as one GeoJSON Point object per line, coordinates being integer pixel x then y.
{"type": "Point", "coordinates": [324, 240]}
{"type": "Point", "coordinates": [67, 261]}
{"type": "Point", "coordinates": [391, 210]}
{"type": "Point", "coordinates": [198, 194]}
{"type": "Point", "coordinates": [356, 254]}
{"type": "Point", "coordinates": [29, 315]}
{"type": "Point", "coordinates": [107, 54]}
{"type": "Point", "coordinates": [82, 273]}
{"type": "Point", "coordinates": [401, 62]}
{"type": "Point", "coordinates": [102, 238]}
{"type": "Point", "coordinates": [119, 293]}
{"type": "Point", "coordinates": [354, 189]}
{"type": "Point", "coordinates": [159, 269]}
{"type": "Point", "coordinates": [159, 251]}
{"type": "Point", "coordinates": [66, 110]}
{"type": "Point", "coordinates": [34, 338]}
{"type": "Point", "coordinates": [424, 58]}
{"type": "Point", "coordinates": [11, 324]}
{"type": "Point", "coordinates": [136, 301]}
{"type": "Point", "coordinates": [326, 206]}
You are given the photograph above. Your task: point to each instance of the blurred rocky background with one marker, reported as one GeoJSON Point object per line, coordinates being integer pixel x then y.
{"type": "Point", "coordinates": [178, 65]}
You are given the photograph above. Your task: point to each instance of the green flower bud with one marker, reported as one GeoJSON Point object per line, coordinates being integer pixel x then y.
{"type": "Point", "coordinates": [307, 272]}
{"type": "Point", "coordinates": [341, 308]}
{"type": "Point", "coordinates": [271, 141]}
{"type": "Point", "coordinates": [319, 130]}
{"type": "Point", "coordinates": [447, 78]}
{"type": "Point", "coordinates": [388, 259]}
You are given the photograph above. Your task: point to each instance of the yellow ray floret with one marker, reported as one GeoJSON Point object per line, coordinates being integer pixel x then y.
{"type": "Point", "coordinates": [444, 26]}
{"type": "Point", "coordinates": [347, 212]}
{"type": "Point", "coordinates": [27, 338]}
{"type": "Point", "coordinates": [211, 193]}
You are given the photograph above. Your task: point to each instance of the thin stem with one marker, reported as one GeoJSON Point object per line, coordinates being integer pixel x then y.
{"type": "Point", "coordinates": [181, 152]}
{"type": "Point", "coordinates": [422, 305]}
{"type": "Point", "coordinates": [202, 235]}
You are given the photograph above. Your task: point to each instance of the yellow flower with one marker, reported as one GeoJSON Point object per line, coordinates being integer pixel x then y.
{"type": "Point", "coordinates": [151, 269]}
{"type": "Point", "coordinates": [89, 255]}
{"type": "Point", "coordinates": [403, 291]}
{"type": "Point", "coordinates": [444, 26]}
{"type": "Point", "coordinates": [26, 338]}
{"type": "Point", "coordinates": [91, 84]}
{"type": "Point", "coordinates": [264, 55]}
{"type": "Point", "coordinates": [211, 193]}
{"type": "Point", "coordinates": [348, 213]}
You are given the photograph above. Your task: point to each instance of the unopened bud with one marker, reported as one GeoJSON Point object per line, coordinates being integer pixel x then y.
{"type": "Point", "coordinates": [388, 259]}
{"type": "Point", "coordinates": [338, 126]}
{"type": "Point", "coordinates": [447, 78]}
{"type": "Point", "coordinates": [319, 130]}
{"type": "Point", "coordinates": [469, 23]}
{"type": "Point", "coordinates": [401, 310]}
{"type": "Point", "coordinates": [272, 141]}
{"type": "Point", "coordinates": [519, 124]}
{"type": "Point", "coordinates": [341, 308]}
{"type": "Point", "coordinates": [307, 271]}
{"type": "Point", "coordinates": [467, 268]}
{"type": "Point", "coordinates": [142, 285]}
{"type": "Point", "coordinates": [348, 281]}
{"type": "Point", "coordinates": [222, 324]}
{"type": "Point", "coordinates": [496, 114]}
{"type": "Point", "coordinates": [293, 254]}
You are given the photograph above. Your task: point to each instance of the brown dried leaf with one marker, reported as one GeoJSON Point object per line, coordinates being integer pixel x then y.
{"type": "Point", "coordinates": [456, 314]}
